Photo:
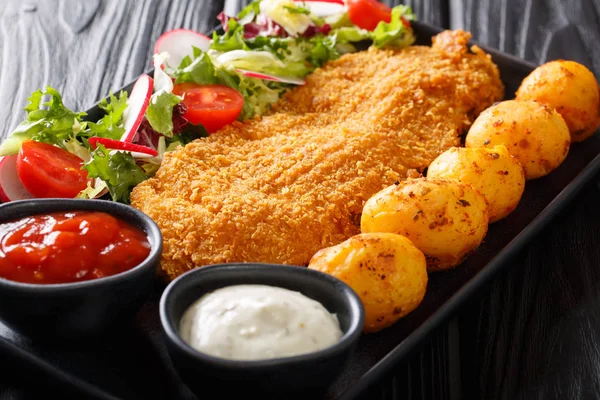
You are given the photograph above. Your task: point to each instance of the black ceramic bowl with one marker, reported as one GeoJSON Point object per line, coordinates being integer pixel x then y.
{"type": "Point", "coordinates": [78, 310]}
{"type": "Point", "coordinates": [303, 375]}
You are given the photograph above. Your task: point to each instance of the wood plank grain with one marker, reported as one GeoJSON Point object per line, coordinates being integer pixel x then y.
{"type": "Point", "coordinates": [534, 333]}
{"type": "Point", "coordinates": [535, 30]}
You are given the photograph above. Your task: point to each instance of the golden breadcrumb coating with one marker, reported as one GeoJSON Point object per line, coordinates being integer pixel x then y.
{"type": "Point", "coordinates": [279, 188]}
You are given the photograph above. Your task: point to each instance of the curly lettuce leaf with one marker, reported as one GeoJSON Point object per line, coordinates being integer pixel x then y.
{"type": "Point", "coordinates": [74, 146]}
{"type": "Point", "coordinates": [323, 50]}
{"type": "Point", "coordinates": [395, 33]}
{"type": "Point", "coordinates": [47, 121]}
{"type": "Point", "coordinates": [110, 126]}
{"type": "Point", "coordinates": [259, 95]}
{"type": "Point", "coordinates": [53, 123]}
{"type": "Point", "coordinates": [117, 169]}
{"type": "Point", "coordinates": [232, 39]}
{"type": "Point", "coordinates": [199, 69]}
{"type": "Point", "coordinates": [248, 13]}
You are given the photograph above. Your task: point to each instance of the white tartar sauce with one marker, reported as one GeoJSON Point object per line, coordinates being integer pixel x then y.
{"type": "Point", "coordinates": [258, 322]}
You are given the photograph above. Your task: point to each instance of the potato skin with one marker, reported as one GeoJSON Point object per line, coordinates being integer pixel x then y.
{"type": "Point", "coordinates": [497, 175]}
{"type": "Point", "coordinates": [386, 270]}
{"type": "Point", "coordinates": [444, 218]}
{"type": "Point", "coordinates": [571, 89]}
{"type": "Point", "coordinates": [532, 132]}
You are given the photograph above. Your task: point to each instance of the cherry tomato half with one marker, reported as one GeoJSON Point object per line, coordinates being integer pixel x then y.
{"type": "Point", "coordinates": [366, 14]}
{"type": "Point", "coordinates": [49, 171]}
{"type": "Point", "coordinates": [213, 106]}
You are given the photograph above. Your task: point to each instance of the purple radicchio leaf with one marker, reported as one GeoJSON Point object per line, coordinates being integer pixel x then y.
{"type": "Point", "coordinates": [146, 136]}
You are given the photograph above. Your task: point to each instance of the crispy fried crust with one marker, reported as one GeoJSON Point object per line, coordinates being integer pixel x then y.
{"type": "Point", "coordinates": [279, 188]}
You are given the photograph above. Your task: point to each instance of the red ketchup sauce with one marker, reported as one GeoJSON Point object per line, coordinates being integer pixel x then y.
{"type": "Point", "coordinates": [66, 247]}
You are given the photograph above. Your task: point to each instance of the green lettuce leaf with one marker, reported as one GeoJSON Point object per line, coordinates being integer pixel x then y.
{"type": "Point", "coordinates": [199, 69]}
{"type": "Point", "coordinates": [49, 122]}
{"type": "Point", "coordinates": [53, 123]}
{"type": "Point", "coordinates": [160, 112]}
{"type": "Point", "coordinates": [338, 20]}
{"type": "Point", "coordinates": [248, 13]}
{"type": "Point", "coordinates": [297, 10]}
{"type": "Point", "coordinates": [293, 18]}
{"type": "Point", "coordinates": [74, 146]}
{"type": "Point", "coordinates": [264, 61]}
{"type": "Point", "coordinates": [351, 34]}
{"type": "Point", "coordinates": [118, 170]}
{"type": "Point", "coordinates": [232, 39]}
{"type": "Point", "coordinates": [110, 126]}
{"type": "Point", "coordinates": [259, 95]}
{"type": "Point", "coordinates": [323, 49]}
{"type": "Point", "coordinates": [395, 33]}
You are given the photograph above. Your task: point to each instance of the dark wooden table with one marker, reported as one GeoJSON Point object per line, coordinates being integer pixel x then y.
{"type": "Point", "coordinates": [532, 333]}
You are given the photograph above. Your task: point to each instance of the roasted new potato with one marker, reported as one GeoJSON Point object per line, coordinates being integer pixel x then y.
{"type": "Point", "coordinates": [386, 270]}
{"type": "Point", "coordinates": [534, 133]}
{"type": "Point", "coordinates": [497, 175]}
{"type": "Point", "coordinates": [444, 218]}
{"type": "Point", "coordinates": [571, 89]}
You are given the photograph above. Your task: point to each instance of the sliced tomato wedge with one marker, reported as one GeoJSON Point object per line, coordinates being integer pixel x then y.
{"type": "Point", "coordinates": [49, 171]}
{"type": "Point", "coordinates": [212, 106]}
{"type": "Point", "coordinates": [366, 14]}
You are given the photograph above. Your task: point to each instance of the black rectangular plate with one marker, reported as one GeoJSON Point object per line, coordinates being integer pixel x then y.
{"type": "Point", "coordinates": [133, 363]}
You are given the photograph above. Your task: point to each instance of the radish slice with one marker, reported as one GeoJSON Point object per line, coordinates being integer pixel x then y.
{"type": "Point", "coordinates": [134, 154]}
{"type": "Point", "coordinates": [260, 75]}
{"type": "Point", "coordinates": [137, 103]}
{"type": "Point", "coordinates": [135, 149]}
{"type": "Point", "coordinates": [11, 187]}
{"type": "Point", "coordinates": [178, 43]}
{"type": "Point", "coordinates": [325, 8]}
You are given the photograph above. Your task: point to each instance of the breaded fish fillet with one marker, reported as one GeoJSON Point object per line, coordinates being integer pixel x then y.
{"type": "Point", "coordinates": [278, 188]}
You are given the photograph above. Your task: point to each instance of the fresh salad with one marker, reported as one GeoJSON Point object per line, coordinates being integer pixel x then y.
{"type": "Point", "coordinates": [199, 85]}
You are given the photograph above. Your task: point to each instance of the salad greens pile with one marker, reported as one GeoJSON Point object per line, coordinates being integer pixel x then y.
{"type": "Point", "coordinates": [282, 37]}
{"type": "Point", "coordinates": [53, 123]}
{"type": "Point", "coordinates": [276, 37]}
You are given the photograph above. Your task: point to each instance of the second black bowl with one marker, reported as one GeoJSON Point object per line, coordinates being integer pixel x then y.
{"type": "Point", "coordinates": [298, 376]}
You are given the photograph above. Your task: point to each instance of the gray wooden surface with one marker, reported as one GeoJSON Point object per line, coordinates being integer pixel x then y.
{"type": "Point", "coordinates": [532, 334]}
